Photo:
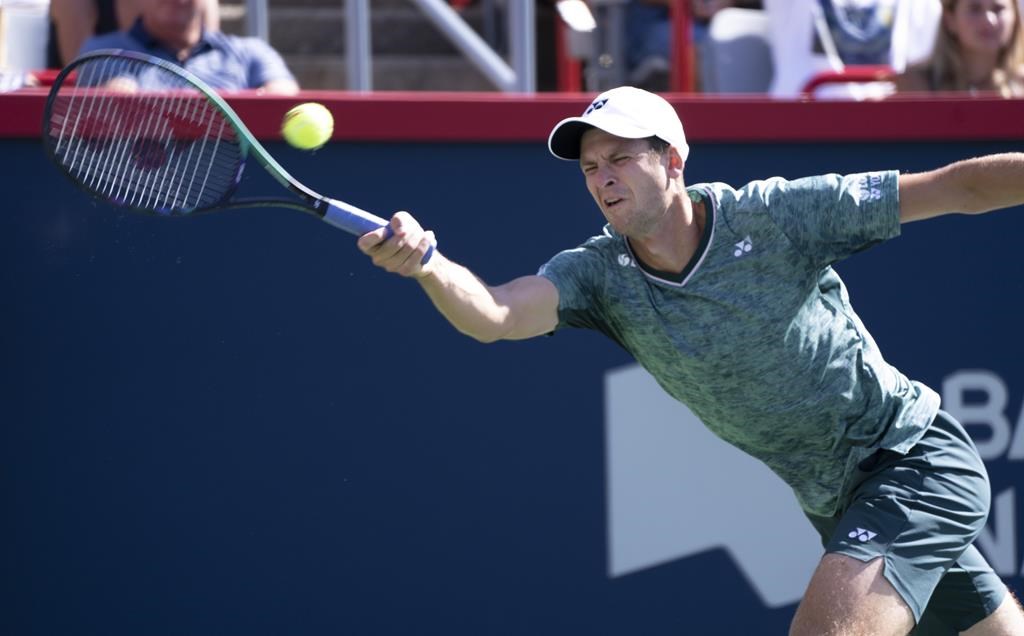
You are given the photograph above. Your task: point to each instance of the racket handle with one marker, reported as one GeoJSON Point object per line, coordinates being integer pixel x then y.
{"type": "Point", "coordinates": [353, 220]}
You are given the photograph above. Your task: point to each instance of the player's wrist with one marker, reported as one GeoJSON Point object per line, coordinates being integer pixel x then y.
{"type": "Point", "coordinates": [429, 271]}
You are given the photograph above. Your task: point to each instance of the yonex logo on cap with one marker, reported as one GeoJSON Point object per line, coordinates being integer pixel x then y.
{"type": "Point", "coordinates": [597, 105]}
{"type": "Point", "coordinates": [862, 534]}
{"type": "Point", "coordinates": [626, 112]}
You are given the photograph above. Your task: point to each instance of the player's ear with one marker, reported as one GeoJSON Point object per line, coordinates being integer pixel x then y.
{"type": "Point", "coordinates": [675, 163]}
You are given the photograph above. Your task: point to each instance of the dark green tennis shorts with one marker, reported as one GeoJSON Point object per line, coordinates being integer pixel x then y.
{"type": "Point", "coordinates": [921, 513]}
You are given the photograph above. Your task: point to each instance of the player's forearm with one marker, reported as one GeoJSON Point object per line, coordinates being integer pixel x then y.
{"type": "Point", "coordinates": [990, 183]}
{"type": "Point", "coordinates": [465, 300]}
{"type": "Point", "coordinates": [972, 186]}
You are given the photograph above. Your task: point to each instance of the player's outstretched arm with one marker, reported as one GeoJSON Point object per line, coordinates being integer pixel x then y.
{"type": "Point", "coordinates": [972, 186]}
{"type": "Point", "coordinates": [522, 308]}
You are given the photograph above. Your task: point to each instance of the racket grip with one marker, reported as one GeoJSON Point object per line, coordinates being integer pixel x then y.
{"type": "Point", "coordinates": [353, 220]}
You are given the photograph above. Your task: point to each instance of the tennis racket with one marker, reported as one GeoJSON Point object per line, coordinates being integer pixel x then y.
{"type": "Point", "coordinates": [147, 135]}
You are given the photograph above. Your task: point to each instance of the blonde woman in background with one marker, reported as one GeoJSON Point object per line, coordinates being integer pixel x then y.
{"type": "Point", "coordinates": [979, 48]}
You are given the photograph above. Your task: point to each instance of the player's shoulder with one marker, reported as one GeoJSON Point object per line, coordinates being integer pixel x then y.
{"type": "Point", "coordinates": [765, 192]}
{"type": "Point", "coordinates": [589, 261]}
{"type": "Point", "coordinates": [600, 246]}
{"type": "Point", "coordinates": [594, 250]}
{"type": "Point", "coordinates": [752, 197]}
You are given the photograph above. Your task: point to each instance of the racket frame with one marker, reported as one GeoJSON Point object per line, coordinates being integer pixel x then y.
{"type": "Point", "coordinates": [340, 214]}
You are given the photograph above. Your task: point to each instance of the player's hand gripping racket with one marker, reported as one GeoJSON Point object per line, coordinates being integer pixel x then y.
{"type": "Point", "coordinates": [147, 135]}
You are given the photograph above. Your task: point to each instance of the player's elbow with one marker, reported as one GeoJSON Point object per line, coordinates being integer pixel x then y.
{"type": "Point", "coordinates": [488, 330]}
{"type": "Point", "coordinates": [485, 334]}
{"type": "Point", "coordinates": [484, 338]}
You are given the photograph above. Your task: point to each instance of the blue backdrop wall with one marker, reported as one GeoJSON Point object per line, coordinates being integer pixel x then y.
{"type": "Point", "coordinates": [235, 424]}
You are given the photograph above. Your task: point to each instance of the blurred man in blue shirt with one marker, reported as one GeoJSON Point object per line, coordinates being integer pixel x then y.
{"type": "Point", "coordinates": [173, 30]}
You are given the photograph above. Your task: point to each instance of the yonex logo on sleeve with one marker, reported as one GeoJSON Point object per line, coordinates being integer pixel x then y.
{"type": "Point", "coordinates": [743, 247]}
{"type": "Point", "coordinates": [870, 187]}
{"type": "Point", "coordinates": [626, 261]}
{"type": "Point", "coordinates": [863, 535]}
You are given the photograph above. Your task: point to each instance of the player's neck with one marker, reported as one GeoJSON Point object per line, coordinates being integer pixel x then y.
{"type": "Point", "coordinates": [673, 244]}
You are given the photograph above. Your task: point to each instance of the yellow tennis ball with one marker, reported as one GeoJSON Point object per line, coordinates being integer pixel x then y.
{"type": "Point", "coordinates": [307, 126]}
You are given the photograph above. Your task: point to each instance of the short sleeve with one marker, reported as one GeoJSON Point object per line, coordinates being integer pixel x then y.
{"type": "Point", "coordinates": [576, 274]}
{"type": "Point", "coordinates": [830, 217]}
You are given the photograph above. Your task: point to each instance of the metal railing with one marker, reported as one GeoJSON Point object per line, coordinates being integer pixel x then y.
{"type": "Point", "coordinates": [605, 56]}
{"type": "Point", "coordinates": [519, 76]}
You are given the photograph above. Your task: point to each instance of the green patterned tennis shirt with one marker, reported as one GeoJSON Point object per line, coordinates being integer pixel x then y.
{"type": "Point", "coordinates": [757, 336]}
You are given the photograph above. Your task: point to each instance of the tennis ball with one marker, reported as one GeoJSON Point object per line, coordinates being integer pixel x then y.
{"type": "Point", "coordinates": [307, 126]}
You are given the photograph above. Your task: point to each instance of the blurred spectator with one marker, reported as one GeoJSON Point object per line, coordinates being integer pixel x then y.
{"type": "Point", "coordinates": [811, 36]}
{"type": "Point", "coordinates": [72, 22]}
{"type": "Point", "coordinates": [980, 47]}
{"type": "Point", "coordinates": [648, 43]}
{"type": "Point", "coordinates": [649, 36]}
{"type": "Point", "coordinates": [23, 25]}
{"type": "Point", "coordinates": [702, 11]}
{"type": "Point", "coordinates": [13, 80]}
{"type": "Point", "coordinates": [173, 30]}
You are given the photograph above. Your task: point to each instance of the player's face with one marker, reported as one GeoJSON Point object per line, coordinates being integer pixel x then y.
{"type": "Point", "coordinates": [982, 26]}
{"type": "Point", "coordinates": [628, 179]}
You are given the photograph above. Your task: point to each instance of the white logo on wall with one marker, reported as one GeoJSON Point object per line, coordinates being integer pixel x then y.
{"type": "Point", "coordinates": [675, 490]}
{"type": "Point", "coordinates": [980, 400]}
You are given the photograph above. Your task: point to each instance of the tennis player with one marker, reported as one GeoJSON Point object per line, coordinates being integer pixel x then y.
{"type": "Point", "coordinates": [728, 298]}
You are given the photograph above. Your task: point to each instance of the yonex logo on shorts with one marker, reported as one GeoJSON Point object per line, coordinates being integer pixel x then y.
{"type": "Point", "coordinates": [862, 534]}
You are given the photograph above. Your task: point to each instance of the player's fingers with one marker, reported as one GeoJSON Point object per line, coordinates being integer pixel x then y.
{"type": "Point", "coordinates": [403, 251]}
{"type": "Point", "coordinates": [405, 232]}
{"type": "Point", "coordinates": [371, 240]}
{"type": "Point", "coordinates": [409, 262]}
{"type": "Point", "coordinates": [403, 223]}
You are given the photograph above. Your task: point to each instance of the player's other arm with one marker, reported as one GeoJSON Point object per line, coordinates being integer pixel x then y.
{"type": "Point", "coordinates": [972, 186]}
{"type": "Point", "coordinates": [522, 308]}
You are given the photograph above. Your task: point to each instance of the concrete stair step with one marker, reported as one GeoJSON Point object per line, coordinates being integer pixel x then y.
{"type": "Point", "coordinates": [374, 4]}
{"type": "Point", "coordinates": [409, 52]}
{"type": "Point", "coordinates": [307, 30]}
{"type": "Point", "coordinates": [393, 73]}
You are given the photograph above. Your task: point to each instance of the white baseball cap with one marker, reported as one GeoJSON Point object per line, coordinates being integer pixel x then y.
{"type": "Point", "coordinates": [626, 112]}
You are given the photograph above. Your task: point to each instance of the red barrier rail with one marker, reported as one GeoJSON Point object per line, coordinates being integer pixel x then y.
{"type": "Point", "coordinates": [494, 117]}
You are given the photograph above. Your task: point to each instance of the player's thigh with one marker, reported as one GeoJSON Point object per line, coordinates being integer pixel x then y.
{"type": "Point", "coordinates": [912, 517]}
{"type": "Point", "coordinates": [1007, 620]}
{"type": "Point", "coordinates": [969, 592]}
{"type": "Point", "coordinates": [847, 596]}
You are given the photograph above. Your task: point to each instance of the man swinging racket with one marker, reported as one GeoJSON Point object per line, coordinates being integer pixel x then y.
{"type": "Point", "coordinates": [729, 300]}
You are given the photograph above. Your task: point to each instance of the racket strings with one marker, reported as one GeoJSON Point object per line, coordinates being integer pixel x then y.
{"type": "Point", "coordinates": [141, 136]}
